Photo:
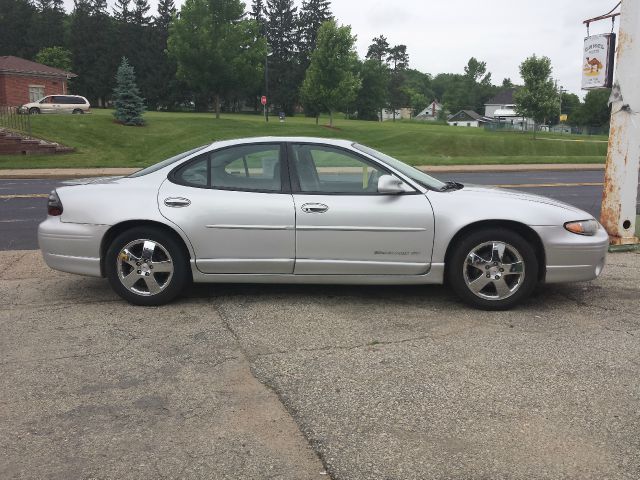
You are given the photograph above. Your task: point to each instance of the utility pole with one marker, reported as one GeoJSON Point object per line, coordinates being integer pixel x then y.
{"type": "Point", "coordinates": [623, 156]}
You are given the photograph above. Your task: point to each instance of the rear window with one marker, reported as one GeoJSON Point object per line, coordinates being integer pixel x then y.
{"type": "Point", "coordinates": [164, 163]}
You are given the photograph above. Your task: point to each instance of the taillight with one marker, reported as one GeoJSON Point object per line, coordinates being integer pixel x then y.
{"type": "Point", "coordinates": [54, 205]}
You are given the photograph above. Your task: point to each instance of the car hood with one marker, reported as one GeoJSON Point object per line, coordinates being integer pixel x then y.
{"type": "Point", "coordinates": [501, 193]}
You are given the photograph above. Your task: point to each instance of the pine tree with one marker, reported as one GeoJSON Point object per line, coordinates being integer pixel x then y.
{"type": "Point", "coordinates": [258, 11]}
{"type": "Point", "coordinates": [92, 50]}
{"type": "Point", "coordinates": [141, 16]}
{"type": "Point", "coordinates": [166, 12]}
{"type": "Point", "coordinates": [127, 100]}
{"type": "Point", "coordinates": [379, 50]}
{"type": "Point", "coordinates": [399, 59]}
{"type": "Point", "coordinates": [161, 86]}
{"type": "Point", "coordinates": [16, 18]}
{"type": "Point", "coordinates": [47, 26]}
{"type": "Point", "coordinates": [285, 73]}
{"type": "Point", "coordinates": [121, 11]}
{"type": "Point", "coordinates": [312, 15]}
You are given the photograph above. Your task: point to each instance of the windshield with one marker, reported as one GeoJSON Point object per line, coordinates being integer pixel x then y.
{"type": "Point", "coordinates": [411, 172]}
{"type": "Point", "coordinates": [164, 163]}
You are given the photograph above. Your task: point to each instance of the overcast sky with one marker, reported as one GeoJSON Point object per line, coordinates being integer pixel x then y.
{"type": "Point", "coordinates": [442, 35]}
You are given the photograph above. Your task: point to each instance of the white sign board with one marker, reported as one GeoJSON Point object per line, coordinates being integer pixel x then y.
{"type": "Point", "coordinates": [597, 61]}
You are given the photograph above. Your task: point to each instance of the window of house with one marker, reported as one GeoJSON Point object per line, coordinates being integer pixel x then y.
{"type": "Point", "coordinates": [36, 92]}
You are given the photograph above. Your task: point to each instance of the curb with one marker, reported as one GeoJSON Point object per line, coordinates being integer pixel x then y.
{"type": "Point", "coordinates": [62, 173]}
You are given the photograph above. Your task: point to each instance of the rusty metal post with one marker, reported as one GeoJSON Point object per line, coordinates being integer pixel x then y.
{"type": "Point", "coordinates": [623, 157]}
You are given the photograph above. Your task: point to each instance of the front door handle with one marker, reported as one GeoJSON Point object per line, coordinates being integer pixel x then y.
{"type": "Point", "coordinates": [177, 202]}
{"type": "Point", "coordinates": [314, 208]}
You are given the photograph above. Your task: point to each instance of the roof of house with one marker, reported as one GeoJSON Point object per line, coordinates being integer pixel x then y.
{"type": "Point", "coordinates": [11, 64]}
{"type": "Point", "coordinates": [466, 114]}
{"type": "Point", "coordinates": [505, 97]}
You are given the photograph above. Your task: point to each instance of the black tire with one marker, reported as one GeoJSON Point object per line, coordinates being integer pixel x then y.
{"type": "Point", "coordinates": [34, 111]}
{"type": "Point", "coordinates": [172, 284]}
{"type": "Point", "coordinates": [517, 250]}
{"type": "Point", "coordinates": [77, 111]}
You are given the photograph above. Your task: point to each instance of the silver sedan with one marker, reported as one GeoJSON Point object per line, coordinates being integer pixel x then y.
{"type": "Point", "coordinates": [308, 210]}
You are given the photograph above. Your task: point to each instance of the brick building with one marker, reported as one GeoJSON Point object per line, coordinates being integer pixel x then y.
{"type": "Point", "coordinates": [23, 81]}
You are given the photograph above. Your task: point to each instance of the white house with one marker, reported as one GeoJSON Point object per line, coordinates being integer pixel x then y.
{"type": "Point", "coordinates": [430, 113]}
{"type": "Point", "coordinates": [401, 114]}
{"type": "Point", "coordinates": [502, 109]}
{"type": "Point", "coordinates": [466, 118]}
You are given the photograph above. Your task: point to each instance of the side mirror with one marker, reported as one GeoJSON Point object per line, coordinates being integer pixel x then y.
{"type": "Point", "coordinates": [392, 185]}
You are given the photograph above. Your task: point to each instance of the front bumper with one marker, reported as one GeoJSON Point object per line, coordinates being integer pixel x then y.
{"type": "Point", "coordinates": [571, 257]}
{"type": "Point", "coordinates": [71, 247]}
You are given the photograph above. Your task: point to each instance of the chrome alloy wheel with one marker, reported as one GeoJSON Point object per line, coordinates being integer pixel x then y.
{"type": "Point", "coordinates": [494, 270]}
{"type": "Point", "coordinates": [144, 267]}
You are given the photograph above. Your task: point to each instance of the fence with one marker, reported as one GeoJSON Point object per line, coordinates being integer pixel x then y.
{"type": "Point", "coordinates": [562, 129]}
{"type": "Point", "coordinates": [12, 119]}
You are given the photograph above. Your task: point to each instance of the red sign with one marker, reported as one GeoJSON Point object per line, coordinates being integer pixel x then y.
{"type": "Point", "coordinates": [263, 100]}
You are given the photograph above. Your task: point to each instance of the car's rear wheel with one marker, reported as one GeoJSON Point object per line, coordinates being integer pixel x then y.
{"type": "Point", "coordinates": [77, 111]}
{"type": "Point", "coordinates": [147, 266]}
{"type": "Point", "coordinates": [493, 269]}
{"type": "Point", "coordinates": [34, 111]}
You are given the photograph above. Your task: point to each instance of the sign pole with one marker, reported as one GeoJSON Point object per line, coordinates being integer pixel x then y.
{"type": "Point", "coordinates": [623, 156]}
{"type": "Point", "coordinates": [263, 101]}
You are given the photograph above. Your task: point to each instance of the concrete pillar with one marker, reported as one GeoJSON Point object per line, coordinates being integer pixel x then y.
{"type": "Point", "coordinates": [623, 157]}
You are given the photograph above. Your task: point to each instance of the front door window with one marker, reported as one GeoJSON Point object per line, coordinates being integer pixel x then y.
{"type": "Point", "coordinates": [324, 169]}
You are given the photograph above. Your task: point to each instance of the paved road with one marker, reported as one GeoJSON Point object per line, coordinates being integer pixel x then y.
{"type": "Point", "coordinates": [283, 382]}
{"type": "Point", "coordinates": [19, 216]}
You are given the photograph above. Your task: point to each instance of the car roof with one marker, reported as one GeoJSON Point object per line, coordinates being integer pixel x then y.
{"type": "Point", "coordinates": [272, 139]}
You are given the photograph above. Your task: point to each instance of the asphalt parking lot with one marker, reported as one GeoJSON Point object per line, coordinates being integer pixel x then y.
{"type": "Point", "coordinates": [297, 382]}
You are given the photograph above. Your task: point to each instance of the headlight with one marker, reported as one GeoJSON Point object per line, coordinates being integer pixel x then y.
{"type": "Point", "coordinates": [583, 227]}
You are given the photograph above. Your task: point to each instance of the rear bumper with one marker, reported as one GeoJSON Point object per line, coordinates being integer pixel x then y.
{"type": "Point", "coordinates": [571, 257]}
{"type": "Point", "coordinates": [71, 247]}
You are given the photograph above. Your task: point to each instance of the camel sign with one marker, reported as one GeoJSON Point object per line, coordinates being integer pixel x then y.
{"type": "Point", "coordinates": [597, 62]}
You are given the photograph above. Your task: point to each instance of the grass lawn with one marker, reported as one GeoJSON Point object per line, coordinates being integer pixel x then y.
{"type": "Point", "coordinates": [101, 143]}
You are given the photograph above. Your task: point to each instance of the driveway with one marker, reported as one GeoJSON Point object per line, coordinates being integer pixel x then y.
{"type": "Point", "coordinates": [294, 382]}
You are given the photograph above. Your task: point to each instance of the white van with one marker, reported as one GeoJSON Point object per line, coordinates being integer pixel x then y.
{"type": "Point", "coordinates": [57, 104]}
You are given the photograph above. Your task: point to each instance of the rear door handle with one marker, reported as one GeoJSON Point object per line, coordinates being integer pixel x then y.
{"type": "Point", "coordinates": [177, 202]}
{"type": "Point", "coordinates": [314, 208]}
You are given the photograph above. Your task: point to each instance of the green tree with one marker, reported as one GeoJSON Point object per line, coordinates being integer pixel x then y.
{"type": "Point", "coordinates": [313, 14]}
{"type": "Point", "coordinates": [16, 18]}
{"type": "Point", "coordinates": [93, 56]}
{"type": "Point", "coordinates": [217, 52]}
{"type": "Point", "coordinates": [538, 99]}
{"type": "Point", "coordinates": [399, 60]}
{"type": "Point", "coordinates": [163, 83]}
{"type": "Point", "coordinates": [258, 11]}
{"type": "Point", "coordinates": [330, 82]}
{"type": "Point", "coordinates": [418, 88]}
{"type": "Point", "coordinates": [379, 50]}
{"type": "Point", "coordinates": [569, 105]}
{"type": "Point", "coordinates": [469, 91]}
{"type": "Point", "coordinates": [372, 97]}
{"type": "Point", "coordinates": [57, 57]}
{"type": "Point", "coordinates": [129, 105]}
{"type": "Point", "coordinates": [285, 69]}
{"type": "Point", "coordinates": [47, 25]}
{"type": "Point", "coordinates": [595, 111]}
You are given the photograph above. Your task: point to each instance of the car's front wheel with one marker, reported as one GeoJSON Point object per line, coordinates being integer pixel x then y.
{"type": "Point", "coordinates": [493, 269]}
{"type": "Point", "coordinates": [147, 266]}
{"type": "Point", "coordinates": [34, 111]}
